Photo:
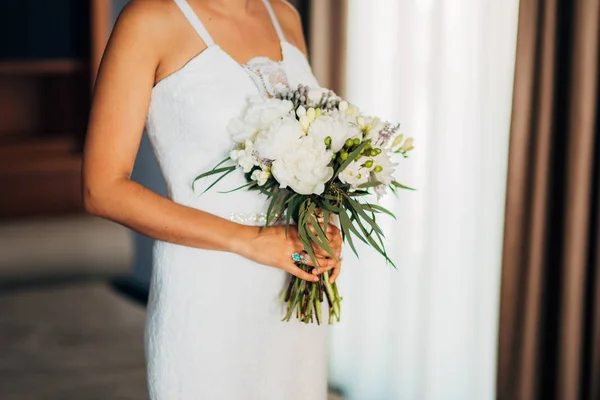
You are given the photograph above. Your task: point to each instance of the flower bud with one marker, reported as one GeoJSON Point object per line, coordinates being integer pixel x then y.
{"type": "Point", "coordinates": [356, 141]}
{"type": "Point", "coordinates": [327, 140]}
{"type": "Point", "coordinates": [369, 164]}
{"type": "Point", "coordinates": [408, 145]}
{"type": "Point", "coordinates": [305, 122]}
{"type": "Point", "coordinates": [378, 168]}
{"type": "Point", "coordinates": [377, 151]}
{"type": "Point", "coordinates": [349, 142]}
{"type": "Point", "coordinates": [344, 155]}
{"type": "Point", "coordinates": [301, 111]}
{"type": "Point", "coordinates": [343, 106]}
{"type": "Point", "coordinates": [311, 114]}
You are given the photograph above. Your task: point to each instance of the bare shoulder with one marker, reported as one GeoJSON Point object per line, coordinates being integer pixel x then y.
{"type": "Point", "coordinates": [147, 22]}
{"type": "Point", "coordinates": [290, 21]}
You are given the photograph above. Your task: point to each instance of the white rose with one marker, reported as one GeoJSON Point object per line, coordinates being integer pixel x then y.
{"type": "Point", "coordinates": [338, 130]}
{"type": "Point", "coordinates": [279, 139]}
{"type": "Point", "coordinates": [262, 113]}
{"type": "Point", "coordinates": [355, 174]}
{"type": "Point", "coordinates": [305, 169]}
{"type": "Point", "coordinates": [240, 131]}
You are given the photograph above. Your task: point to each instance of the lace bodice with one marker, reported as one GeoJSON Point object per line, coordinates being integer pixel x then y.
{"type": "Point", "coordinates": [190, 110]}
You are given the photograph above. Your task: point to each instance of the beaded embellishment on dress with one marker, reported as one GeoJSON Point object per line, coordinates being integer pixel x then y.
{"type": "Point", "coordinates": [268, 75]}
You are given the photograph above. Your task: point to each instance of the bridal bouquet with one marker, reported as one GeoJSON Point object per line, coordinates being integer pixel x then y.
{"type": "Point", "coordinates": [316, 158]}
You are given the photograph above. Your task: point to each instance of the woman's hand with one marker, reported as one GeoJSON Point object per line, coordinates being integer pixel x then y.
{"type": "Point", "coordinates": [273, 248]}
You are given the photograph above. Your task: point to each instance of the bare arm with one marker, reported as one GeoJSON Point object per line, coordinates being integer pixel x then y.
{"type": "Point", "coordinates": [117, 119]}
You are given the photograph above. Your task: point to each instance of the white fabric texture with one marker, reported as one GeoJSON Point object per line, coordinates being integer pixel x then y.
{"type": "Point", "coordinates": [428, 331]}
{"type": "Point", "coordinates": [214, 327]}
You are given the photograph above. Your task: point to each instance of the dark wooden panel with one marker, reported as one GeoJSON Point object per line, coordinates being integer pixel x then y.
{"type": "Point", "coordinates": [34, 29]}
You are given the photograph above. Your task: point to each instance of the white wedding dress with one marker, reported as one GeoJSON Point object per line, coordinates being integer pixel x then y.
{"type": "Point", "coordinates": [214, 329]}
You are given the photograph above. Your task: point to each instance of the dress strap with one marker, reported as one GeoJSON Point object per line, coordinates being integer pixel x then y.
{"type": "Point", "coordinates": [192, 17]}
{"type": "Point", "coordinates": [274, 20]}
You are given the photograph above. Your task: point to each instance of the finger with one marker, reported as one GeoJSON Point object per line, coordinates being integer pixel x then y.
{"type": "Point", "coordinates": [325, 266]}
{"type": "Point", "coordinates": [321, 252]}
{"type": "Point", "coordinates": [331, 232]}
{"type": "Point", "coordinates": [336, 272]}
{"type": "Point", "coordinates": [300, 273]}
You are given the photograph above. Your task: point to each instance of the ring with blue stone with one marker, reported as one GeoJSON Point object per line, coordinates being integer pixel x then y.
{"type": "Point", "coordinates": [299, 258]}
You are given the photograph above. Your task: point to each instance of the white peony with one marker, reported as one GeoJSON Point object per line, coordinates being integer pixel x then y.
{"type": "Point", "coordinates": [261, 113]}
{"type": "Point", "coordinates": [337, 129]}
{"type": "Point", "coordinates": [305, 169]}
{"type": "Point", "coordinates": [355, 174]}
{"type": "Point", "coordinates": [240, 131]}
{"type": "Point", "coordinates": [279, 139]}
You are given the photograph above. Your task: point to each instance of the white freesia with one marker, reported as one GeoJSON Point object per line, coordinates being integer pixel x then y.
{"type": "Point", "coordinates": [260, 176]}
{"type": "Point", "coordinates": [408, 145]}
{"type": "Point", "coordinates": [245, 156]}
{"type": "Point", "coordinates": [305, 169]}
{"type": "Point", "coordinates": [280, 138]}
{"type": "Point", "coordinates": [343, 106]}
{"type": "Point", "coordinates": [355, 174]}
{"type": "Point", "coordinates": [338, 130]}
{"type": "Point", "coordinates": [301, 111]}
{"type": "Point", "coordinates": [386, 172]}
{"type": "Point", "coordinates": [263, 112]}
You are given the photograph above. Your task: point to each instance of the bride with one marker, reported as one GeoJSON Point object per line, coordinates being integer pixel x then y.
{"type": "Point", "coordinates": [182, 70]}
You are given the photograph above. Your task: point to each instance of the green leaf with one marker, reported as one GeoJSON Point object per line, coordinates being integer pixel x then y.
{"type": "Point", "coordinates": [401, 186]}
{"type": "Point", "coordinates": [231, 169]}
{"type": "Point", "coordinates": [380, 209]}
{"type": "Point", "coordinates": [246, 185]}
{"type": "Point", "coordinates": [307, 243]}
{"type": "Point", "coordinates": [324, 243]}
{"type": "Point", "coordinates": [369, 185]}
{"type": "Point", "coordinates": [215, 171]}
{"type": "Point", "coordinates": [222, 162]}
{"type": "Point", "coordinates": [351, 158]}
{"type": "Point", "coordinates": [345, 223]}
{"type": "Point", "coordinates": [358, 208]}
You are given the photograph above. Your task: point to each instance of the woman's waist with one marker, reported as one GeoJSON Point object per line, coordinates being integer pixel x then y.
{"type": "Point", "coordinates": [243, 207]}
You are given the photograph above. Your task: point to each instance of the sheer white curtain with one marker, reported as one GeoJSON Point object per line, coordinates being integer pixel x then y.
{"type": "Point", "coordinates": [444, 68]}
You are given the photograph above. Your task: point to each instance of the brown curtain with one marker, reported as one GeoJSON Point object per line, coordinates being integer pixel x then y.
{"type": "Point", "coordinates": [549, 338]}
{"type": "Point", "coordinates": [327, 39]}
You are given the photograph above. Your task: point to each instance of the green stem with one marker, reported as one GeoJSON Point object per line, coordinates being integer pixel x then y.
{"type": "Point", "coordinates": [333, 300]}
{"type": "Point", "coordinates": [318, 310]}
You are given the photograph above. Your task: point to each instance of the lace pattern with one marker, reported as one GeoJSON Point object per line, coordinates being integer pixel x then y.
{"type": "Point", "coordinates": [268, 75]}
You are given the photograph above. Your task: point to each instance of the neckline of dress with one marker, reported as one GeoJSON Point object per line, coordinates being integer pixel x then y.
{"type": "Point", "coordinates": [202, 54]}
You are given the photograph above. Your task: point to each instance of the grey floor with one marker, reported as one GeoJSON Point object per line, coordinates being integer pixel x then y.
{"type": "Point", "coordinates": [79, 340]}
{"type": "Point", "coordinates": [65, 333]}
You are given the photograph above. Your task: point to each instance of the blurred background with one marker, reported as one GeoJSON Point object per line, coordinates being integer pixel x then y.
{"type": "Point", "coordinates": [497, 293]}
